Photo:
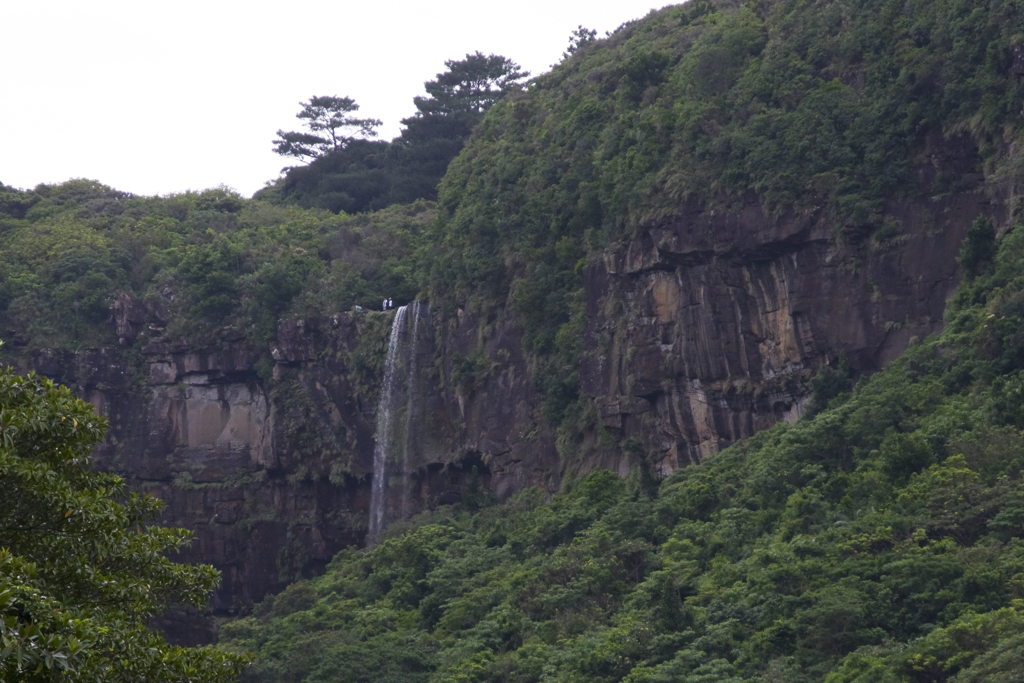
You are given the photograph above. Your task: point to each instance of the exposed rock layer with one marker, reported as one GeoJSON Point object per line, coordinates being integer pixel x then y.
{"type": "Point", "coordinates": [701, 332]}
{"type": "Point", "coordinates": [706, 330]}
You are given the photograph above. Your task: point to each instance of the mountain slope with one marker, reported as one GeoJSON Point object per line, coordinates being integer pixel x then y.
{"type": "Point", "coordinates": [657, 250]}
{"type": "Point", "coordinates": [882, 540]}
{"type": "Point", "coordinates": [687, 218]}
{"type": "Point", "coordinates": [803, 105]}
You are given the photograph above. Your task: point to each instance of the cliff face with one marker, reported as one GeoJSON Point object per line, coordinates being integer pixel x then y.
{"type": "Point", "coordinates": [201, 431]}
{"type": "Point", "coordinates": [703, 327]}
{"type": "Point", "coordinates": [701, 332]}
{"type": "Point", "coordinates": [706, 330]}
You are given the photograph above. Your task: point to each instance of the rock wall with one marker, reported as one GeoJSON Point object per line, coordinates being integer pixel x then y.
{"type": "Point", "coordinates": [706, 330]}
{"type": "Point", "coordinates": [701, 331]}
{"type": "Point", "coordinates": [271, 471]}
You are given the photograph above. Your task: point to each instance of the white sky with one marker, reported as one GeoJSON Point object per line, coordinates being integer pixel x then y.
{"type": "Point", "coordinates": [159, 97]}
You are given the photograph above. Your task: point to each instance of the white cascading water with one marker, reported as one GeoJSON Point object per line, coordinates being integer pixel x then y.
{"type": "Point", "coordinates": [392, 445]}
{"type": "Point", "coordinates": [410, 407]}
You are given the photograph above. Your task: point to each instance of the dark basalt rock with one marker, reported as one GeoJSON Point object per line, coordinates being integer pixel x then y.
{"type": "Point", "coordinates": [717, 321]}
{"type": "Point", "coordinates": [702, 330]}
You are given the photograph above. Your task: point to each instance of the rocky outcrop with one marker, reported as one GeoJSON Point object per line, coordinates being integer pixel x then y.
{"type": "Point", "coordinates": [702, 330]}
{"type": "Point", "coordinates": [706, 330]}
{"type": "Point", "coordinates": [202, 431]}
{"type": "Point", "coordinates": [266, 454]}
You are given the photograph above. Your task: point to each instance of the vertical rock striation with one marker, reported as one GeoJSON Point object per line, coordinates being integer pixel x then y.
{"type": "Point", "coordinates": [701, 331]}
{"type": "Point", "coordinates": [706, 330]}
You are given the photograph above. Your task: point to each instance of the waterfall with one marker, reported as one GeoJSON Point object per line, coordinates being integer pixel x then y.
{"type": "Point", "coordinates": [411, 394]}
{"type": "Point", "coordinates": [394, 442]}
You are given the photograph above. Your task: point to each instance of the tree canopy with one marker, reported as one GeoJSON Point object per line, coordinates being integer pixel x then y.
{"type": "Point", "coordinates": [456, 102]}
{"type": "Point", "coordinates": [831, 106]}
{"type": "Point", "coordinates": [578, 38]}
{"type": "Point", "coordinates": [196, 261]}
{"type": "Point", "coordinates": [472, 84]}
{"type": "Point", "coordinates": [363, 175]}
{"type": "Point", "coordinates": [81, 570]}
{"type": "Point", "coordinates": [325, 117]}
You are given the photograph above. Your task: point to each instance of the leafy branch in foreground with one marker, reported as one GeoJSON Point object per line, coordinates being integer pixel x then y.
{"type": "Point", "coordinates": [81, 572]}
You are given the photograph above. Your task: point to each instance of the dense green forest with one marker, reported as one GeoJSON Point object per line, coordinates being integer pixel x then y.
{"type": "Point", "coordinates": [881, 540]}
{"type": "Point", "coordinates": [878, 541]}
{"type": "Point", "coordinates": [796, 105]}
{"type": "Point", "coordinates": [198, 261]}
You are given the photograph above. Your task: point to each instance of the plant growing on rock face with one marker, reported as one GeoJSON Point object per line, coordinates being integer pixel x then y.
{"type": "Point", "coordinates": [81, 573]}
{"type": "Point", "coordinates": [979, 246]}
{"type": "Point", "coordinates": [709, 105]}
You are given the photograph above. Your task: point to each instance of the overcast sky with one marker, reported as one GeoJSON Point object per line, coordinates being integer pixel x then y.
{"type": "Point", "coordinates": [161, 97]}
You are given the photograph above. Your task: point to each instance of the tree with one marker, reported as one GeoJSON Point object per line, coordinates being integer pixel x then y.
{"type": "Point", "coordinates": [436, 133]}
{"type": "Point", "coordinates": [578, 38]}
{"type": "Point", "coordinates": [365, 175]}
{"type": "Point", "coordinates": [470, 86]}
{"type": "Point", "coordinates": [81, 572]}
{"type": "Point", "coordinates": [979, 246]}
{"type": "Point", "coordinates": [325, 117]}
{"type": "Point", "coordinates": [353, 179]}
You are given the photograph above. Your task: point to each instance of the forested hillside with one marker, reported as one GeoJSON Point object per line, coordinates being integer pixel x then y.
{"type": "Point", "coordinates": [821, 107]}
{"type": "Point", "coordinates": [720, 217]}
{"type": "Point", "coordinates": [881, 540]}
{"type": "Point", "coordinates": [878, 540]}
{"type": "Point", "coordinates": [839, 110]}
{"type": "Point", "coordinates": [193, 263]}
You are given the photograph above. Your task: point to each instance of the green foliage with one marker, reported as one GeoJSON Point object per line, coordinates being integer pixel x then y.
{"type": "Point", "coordinates": [469, 372]}
{"type": "Point", "coordinates": [325, 117]}
{"type": "Point", "coordinates": [828, 383]}
{"type": "Point", "coordinates": [197, 262]}
{"type": "Point", "coordinates": [979, 246]}
{"type": "Point", "coordinates": [829, 106]}
{"type": "Point", "coordinates": [470, 85]}
{"type": "Point", "coordinates": [81, 571]}
{"type": "Point", "coordinates": [880, 540]}
{"type": "Point", "coordinates": [579, 37]}
{"type": "Point", "coordinates": [362, 175]}
{"type": "Point", "coordinates": [353, 179]}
